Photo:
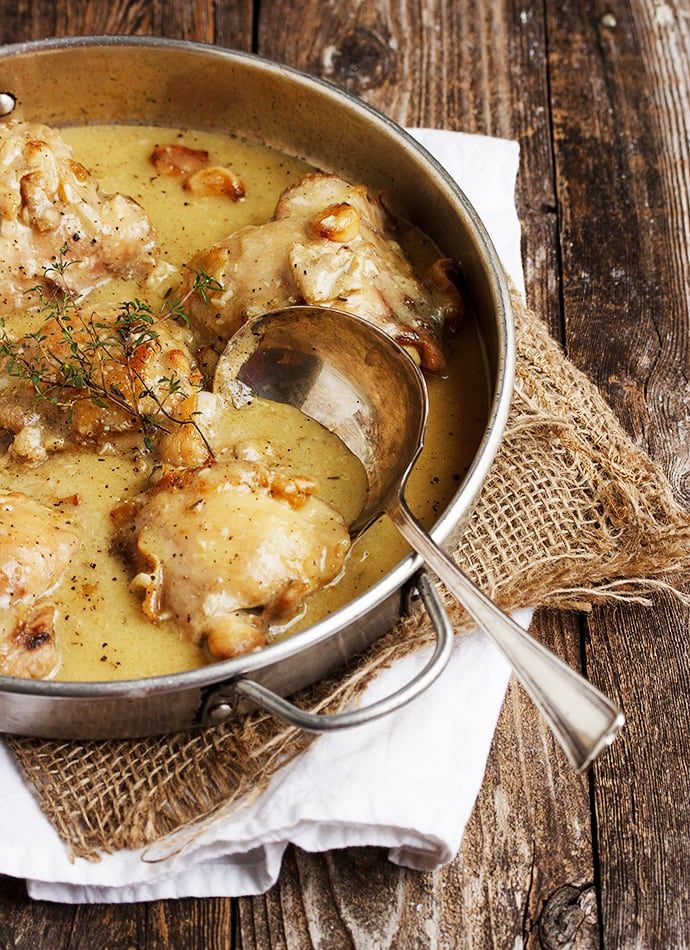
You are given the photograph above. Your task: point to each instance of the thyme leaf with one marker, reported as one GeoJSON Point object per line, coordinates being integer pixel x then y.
{"type": "Point", "coordinates": [74, 357]}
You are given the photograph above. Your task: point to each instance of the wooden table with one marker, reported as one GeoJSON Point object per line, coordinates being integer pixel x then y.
{"type": "Point", "coordinates": [598, 94]}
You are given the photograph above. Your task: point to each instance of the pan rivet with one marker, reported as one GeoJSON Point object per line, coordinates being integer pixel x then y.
{"type": "Point", "coordinates": [7, 103]}
{"type": "Point", "coordinates": [219, 713]}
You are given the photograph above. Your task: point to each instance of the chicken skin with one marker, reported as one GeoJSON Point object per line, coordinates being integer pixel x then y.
{"type": "Point", "coordinates": [329, 244]}
{"type": "Point", "coordinates": [36, 545]}
{"type": "Point", "coordinates": [49, 201]}
{"type": "Point", "coordinates": [87, 376]}
{"type": "Point", "coordinates": [227, 549]}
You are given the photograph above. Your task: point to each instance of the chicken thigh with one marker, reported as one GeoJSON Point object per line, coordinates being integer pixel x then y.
{"type": "Point", "coordinates": [87, 376]}
{"type": "Point", "coordinates": [48, 202]}
{"type": "Point", "coordinates": [227, 549]}
{"type": "Point", "coordinates": [36, 545]}
{"type": "Point", "coordinates": [328, 244]}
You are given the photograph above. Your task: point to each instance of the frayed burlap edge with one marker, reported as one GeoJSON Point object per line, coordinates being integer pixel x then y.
{"type": "Point", "coordinates": [572, 513]}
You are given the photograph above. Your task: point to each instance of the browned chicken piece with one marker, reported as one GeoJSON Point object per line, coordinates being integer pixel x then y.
{"type": "Point", "coordinates": [28, 644]}
{"type": "Point", "coordinates": [329, 244]}
{"type": "Point", "coordinates": [47, 201]}
{"type": "Point", "coordinates": [227, 549]}
{"type": "Point", "coordinates": [126, 375]}
{"type": "Point", "coordinates": [36, 545]}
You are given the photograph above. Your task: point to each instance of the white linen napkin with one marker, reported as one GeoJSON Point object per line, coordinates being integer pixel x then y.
{"type": "Point", "coordinates": [407, 782]}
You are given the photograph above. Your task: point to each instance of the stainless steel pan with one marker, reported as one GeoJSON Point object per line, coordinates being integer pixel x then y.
{"type": "Point", "coordinates": [152, 81]}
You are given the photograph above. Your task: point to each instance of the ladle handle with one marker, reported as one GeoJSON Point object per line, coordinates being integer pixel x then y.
{"type": "Point", "coordinates": [583, 720]}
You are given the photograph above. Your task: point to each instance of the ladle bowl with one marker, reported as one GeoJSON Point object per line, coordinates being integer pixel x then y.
{"type": "Point", "coordinates": [360, 384]}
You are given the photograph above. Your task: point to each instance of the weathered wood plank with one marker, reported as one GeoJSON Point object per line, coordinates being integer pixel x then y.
{"type": "Point", "coordinates": [479, 68]}
{"type": "Point", "coordinates": [228, 24]}
{"type": "Point", "coordinates": [25, 925]}
{"type": "Point", "coordinates": [116, 926]}
{"type": "Point", "coordinates": [529, 840]}
{"type": "Point", "coordinates": [642, 784]}
{"type": "Point", "coordinates": [189, 924]}
{"type": "Point", "coordinates": [27, 20]}
{"type": "Point", "coordinates": [620, 81]}
{"type": "Point", "coordinates": [622, 185]}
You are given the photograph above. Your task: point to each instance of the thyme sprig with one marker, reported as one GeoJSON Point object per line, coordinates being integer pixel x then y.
{"type": "Point", "coordinates": [72, 356]}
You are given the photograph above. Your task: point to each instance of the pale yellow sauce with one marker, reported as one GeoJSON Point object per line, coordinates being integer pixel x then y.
{"type": "Point", "coordinates": [102, 631]}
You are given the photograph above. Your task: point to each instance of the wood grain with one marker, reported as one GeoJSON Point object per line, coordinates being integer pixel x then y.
{"type": "Point", "coordinates": [487, 75]}
{"type": "Point", "coordinates": [643, 817]}
{"type": "Point", "coordinates": [620, 85]}
{"type": "Point", "coordinates": [27, 20]}
{"type": "Point", "coordinates": [598, 94]}
{"type": "Point", "coordinates": [24, 924]}
{"type": "Point", "coordinates": [228, 24]}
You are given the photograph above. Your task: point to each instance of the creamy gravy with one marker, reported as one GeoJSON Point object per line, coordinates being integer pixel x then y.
{"type": "Point", "coordinates": [102, 631]}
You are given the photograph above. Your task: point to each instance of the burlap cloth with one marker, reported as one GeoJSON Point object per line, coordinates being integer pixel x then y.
{"type": "Point", "coordinates": [572, 513]}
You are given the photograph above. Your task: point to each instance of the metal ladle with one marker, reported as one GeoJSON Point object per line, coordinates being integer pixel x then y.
{"type": "Point", "coordinates": [357, 382]}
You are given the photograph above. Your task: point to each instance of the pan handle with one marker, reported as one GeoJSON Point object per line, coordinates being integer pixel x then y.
{"type": "Point", "coordinates": [321, 722]}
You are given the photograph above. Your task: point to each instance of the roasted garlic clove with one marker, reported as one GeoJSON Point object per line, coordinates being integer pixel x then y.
{"type": "Point", "coordinates": [215, 180]}
{"type": "Point", "coordinates": [339, 222]}
{"type": "Point", "coordinates": [178, 161]}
